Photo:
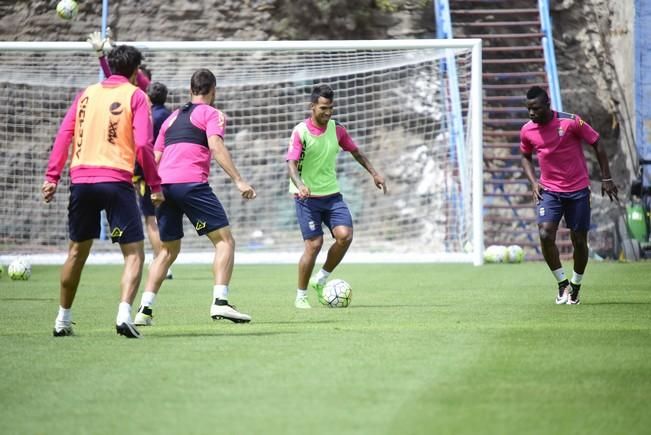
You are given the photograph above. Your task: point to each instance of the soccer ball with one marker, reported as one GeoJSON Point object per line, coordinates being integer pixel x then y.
{"type": "Point", "coordinates": [67, 9]}
{"type": "Point", "coordinates": [337, 294]}
{"type": "Point", "coordinates": [19, 270]}
{"type": "Point", "coordinates": [515, 254]}
{"type": "Point", "coordinates": [495, 254]}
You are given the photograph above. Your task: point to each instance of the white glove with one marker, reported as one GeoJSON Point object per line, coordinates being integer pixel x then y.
{"type": "Point", "coordinates": [95, 39]}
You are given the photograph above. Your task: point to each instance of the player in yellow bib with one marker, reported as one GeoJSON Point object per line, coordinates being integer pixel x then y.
{"type": "Point", "coordinates": [311, 160]}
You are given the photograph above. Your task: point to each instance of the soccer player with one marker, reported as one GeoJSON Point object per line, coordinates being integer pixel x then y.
{"type": "Point", "coordinates": [143, 76]}
{"type": "Point", "coordinates": [563, 188]}
{"type": "Point", "coordinates": [109, 125]}
{"type": "Point", "coordinates": [157, 95]}
{"type": "Point", "coordinates": [311, 158]}
{"type": "Point", "coordinates": [187, 141]}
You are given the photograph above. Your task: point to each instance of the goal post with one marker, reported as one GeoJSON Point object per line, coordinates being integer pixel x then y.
{"type": "Point", "coordinates": [392, 96]}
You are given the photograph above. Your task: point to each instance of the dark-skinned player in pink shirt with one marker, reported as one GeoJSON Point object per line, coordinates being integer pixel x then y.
{"type": "Point", "coordinates": [563, 189]}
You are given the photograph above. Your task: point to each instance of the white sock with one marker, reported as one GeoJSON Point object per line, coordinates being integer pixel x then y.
{"type": "Point", "coordinates": [65, 315]}
{"type": "Point", "coordinates": [124, 314]}
{"type": "Point", "coordinates": [576, 278]}
{"type": "Point", "coordinates": [301, 294]}
{"type": "Point", "coordinates": [220, 292]}
{"type": "Point", "coordinates": [559, 274]}
{"type": "Point", "coordinates": [147, 299]}
{"type": "Point", "coordinates": [322, 275]}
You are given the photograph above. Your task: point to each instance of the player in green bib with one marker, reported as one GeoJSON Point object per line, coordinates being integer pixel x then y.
{"type": "Point", "coordinates": [311, 160]}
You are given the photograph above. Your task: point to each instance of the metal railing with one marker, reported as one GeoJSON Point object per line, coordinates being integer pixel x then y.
{"type": "Point", "coordinates": [550, 56]}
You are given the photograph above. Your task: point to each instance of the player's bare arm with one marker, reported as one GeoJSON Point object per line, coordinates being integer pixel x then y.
{"type": "Point", "coordinates": [377, 178]}
{"type": "Point", "coordinates": [223, 158]}
{"type": "Point", "coordinates": [530, 173]}
{"type": "Point", "coordinates": [292, 168]}
{"type": "Point", "coordinates": [607, 184]}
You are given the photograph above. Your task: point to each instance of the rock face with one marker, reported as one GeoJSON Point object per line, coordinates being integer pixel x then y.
{"type": "Point", "coordinates": [216, 20]}
{"type": "Point", "coordinates": [594, 51]}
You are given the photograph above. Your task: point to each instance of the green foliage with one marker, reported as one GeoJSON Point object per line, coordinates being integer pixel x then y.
{"type": "Point", "coordinates": [423, 349]}
{"type": "Point", "coordinates": [386, 5]}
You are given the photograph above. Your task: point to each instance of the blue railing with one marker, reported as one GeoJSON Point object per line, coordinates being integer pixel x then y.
{"type": "Point", "coordinates": [643, 88]}
{"type": "Point", "coordinates": [452, 101]}
{"type": "Point", "coordinates": [550, 56]}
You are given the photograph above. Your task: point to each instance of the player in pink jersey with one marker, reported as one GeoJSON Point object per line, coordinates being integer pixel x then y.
{"type": "Point", "coordinates": [187, 142]}
{"type": "Point", "coordinates": [563, 189]}
{"type": "Point", "coordinates": [311, 165]}
{"type": "Point", "coordinates": [157, 97]}
{"type": "Point", "coordinates": [101, 169]}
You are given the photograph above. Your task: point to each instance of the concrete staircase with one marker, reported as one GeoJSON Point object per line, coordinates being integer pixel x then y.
{"type": "Point", "coordinates": [513, 61]}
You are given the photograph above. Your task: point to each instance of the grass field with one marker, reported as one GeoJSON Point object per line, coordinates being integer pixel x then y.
{"type": "Point", "coordinates": [423, 349]}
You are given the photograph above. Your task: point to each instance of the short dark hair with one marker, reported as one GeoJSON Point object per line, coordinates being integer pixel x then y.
{"type": "Point", "coordinates": [157, 93]}
{"type": "Point", "coordinates": [202, 82]}
{"type": "Point", "coordinates": [124, 60]}
{"type": "Point", "coordinates": [322, 90]}
{"type": "Point", "coordinates": [535, 92]}
{"type": "Point", "coordinates": [146, 70]}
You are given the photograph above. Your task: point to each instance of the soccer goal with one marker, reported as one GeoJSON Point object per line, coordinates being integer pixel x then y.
{"type": "Point", "coordinates": [419, 125]}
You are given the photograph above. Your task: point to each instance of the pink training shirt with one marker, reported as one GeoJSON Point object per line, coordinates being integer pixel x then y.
{"type": "Point", "coordinates": [142, 135]}
{"type": "Point", "coordinates": [296, 145]}
{"type": "Point", "coordinates": [558, 145]}
{"type": "Point", "coordinates": [186, 162]}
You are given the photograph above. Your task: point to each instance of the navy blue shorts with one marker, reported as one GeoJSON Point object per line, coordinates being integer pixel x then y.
{"type": "Point", "coordinates": [146, 206]}
{"type": "Point", "coordinates": [197, 201]}
{"type": "Point", "coordinates": [329, 210]}
{"type": "Point", "coordinates": [117, 198]}
{"type": "Point", "coordinates": [575, 206]}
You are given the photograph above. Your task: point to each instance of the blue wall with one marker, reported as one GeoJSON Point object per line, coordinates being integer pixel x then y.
{"type": "Point", "coordinates": [643, 85]}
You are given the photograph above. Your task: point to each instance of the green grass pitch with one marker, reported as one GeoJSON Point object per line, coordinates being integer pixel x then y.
{"type": "Point", "coordinates": [423, 349]}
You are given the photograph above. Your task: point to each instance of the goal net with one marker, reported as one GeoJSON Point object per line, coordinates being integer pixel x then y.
{"type": "Point", "coordinates": [413, 107]}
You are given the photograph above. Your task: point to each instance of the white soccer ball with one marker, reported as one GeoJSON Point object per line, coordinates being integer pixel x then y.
{"type": "Point", "coordinates": [19, 270]}
{"type": "Point", "coordinates": [67, 9]}
{"type": "Point", "coordinates": [337, 294]}
{"type": "Point", "coordinates": [515, 254]}
{"type": "Point", "coordinates": [495, 254]}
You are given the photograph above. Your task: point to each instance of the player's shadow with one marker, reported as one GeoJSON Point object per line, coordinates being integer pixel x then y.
{"type": "Point", "coordinates": [293, 322]}
{"type": "Point", "coordinates": [617, 303]}
{"type": "Point", "coordinates": [216, 334]}
{"type": "Point", "coordinates": [375, 307]}
{"type": "Point", "coordinates": [29, 299]}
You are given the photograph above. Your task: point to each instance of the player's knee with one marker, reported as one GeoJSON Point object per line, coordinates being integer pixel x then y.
{"type": "Point", "coordinates": [169, 253]}
{"type": "Point", "coordinates": [228, 240]}
{"type": "Point", "coordinates": [78, 253]}
{"type": "Point", "coordinates": [343, 234]}
{"type": "Point", "coordinates": [546, 235]}
{"type": "Point", "coordinates": [314, 245]}
{"type": "Point", "coordinates": [345, 239]}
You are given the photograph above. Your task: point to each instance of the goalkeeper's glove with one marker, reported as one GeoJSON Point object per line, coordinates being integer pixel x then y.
{"type": "Point", "coordinates": [95, 39]}
{"type": "Point", "coordinates": [139, 184]}
{"type": "Point", "coordinates": [99, 44]}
